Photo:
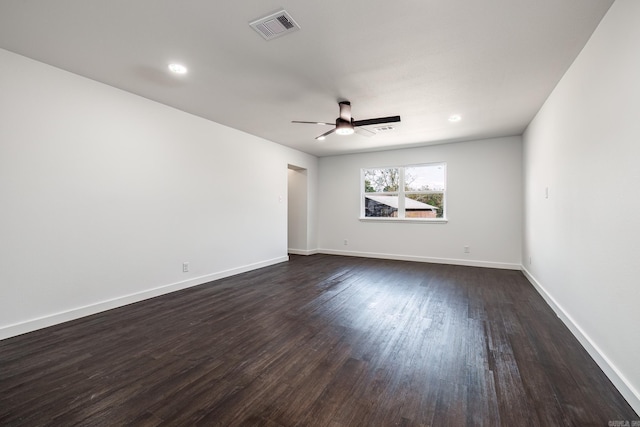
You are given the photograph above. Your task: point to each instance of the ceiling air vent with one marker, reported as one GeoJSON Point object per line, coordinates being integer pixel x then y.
{"type": "Point", "coordinates": [275, 25]}
{"type": "Point", "coordinates": [384, 129]}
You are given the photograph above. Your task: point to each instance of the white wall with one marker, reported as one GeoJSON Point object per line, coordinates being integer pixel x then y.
{"type": "Point", "coordinates": [105, 194]}
{"type": "Point", "coordinates": [584, 145]}
{"type": "Point", "coordinates": [484, 205]}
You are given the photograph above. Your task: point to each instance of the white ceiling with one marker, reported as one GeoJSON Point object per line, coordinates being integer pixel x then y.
{"type": "Point", "coordinates": [494, 62]}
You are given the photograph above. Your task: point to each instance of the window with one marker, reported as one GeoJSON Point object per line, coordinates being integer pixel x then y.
{"type": "Point", "coordinates": [414, 192]}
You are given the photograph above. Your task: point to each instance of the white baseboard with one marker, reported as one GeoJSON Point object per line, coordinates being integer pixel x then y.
{"type": "Point", "coordinates": [452, 261]}
{"type": "Point", "coordinates": [76, 313]}
{"type": "Point", "coordinates": [617, 378]}
{"type": "Point", "coordinates": [302, 251]}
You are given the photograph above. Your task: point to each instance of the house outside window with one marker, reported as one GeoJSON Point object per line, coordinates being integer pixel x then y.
{"type": "Point", "coordinates": [415, 192]}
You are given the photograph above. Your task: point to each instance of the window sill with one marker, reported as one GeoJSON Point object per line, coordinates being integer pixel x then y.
{"type": "Point", "coordinates": [416, 220]}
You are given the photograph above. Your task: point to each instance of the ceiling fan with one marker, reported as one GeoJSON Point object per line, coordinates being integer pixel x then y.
{"type": "Point", "coordinates": [345, 125]}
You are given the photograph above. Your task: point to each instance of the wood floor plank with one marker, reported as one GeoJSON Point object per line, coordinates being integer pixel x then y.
{"type": "Point", "coordinates": [317, 341]}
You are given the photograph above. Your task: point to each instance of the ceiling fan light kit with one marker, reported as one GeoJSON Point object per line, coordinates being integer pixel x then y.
{"type": "Point", "coordinates": [345, 125]}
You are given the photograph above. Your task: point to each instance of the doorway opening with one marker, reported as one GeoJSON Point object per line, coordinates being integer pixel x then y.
{"type": "Point", "coordinates": [297, 230]}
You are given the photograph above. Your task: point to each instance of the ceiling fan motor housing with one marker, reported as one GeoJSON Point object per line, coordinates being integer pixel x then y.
{"type": "Point", "coordinates": [344, 127]}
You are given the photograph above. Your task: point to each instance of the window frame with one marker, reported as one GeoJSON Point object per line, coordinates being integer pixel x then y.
{"type": "Point", "coordinates": [401, 193]}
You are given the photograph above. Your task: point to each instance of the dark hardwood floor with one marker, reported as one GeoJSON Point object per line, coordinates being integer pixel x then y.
{"type": "Point", "coordinates": [318, 341]}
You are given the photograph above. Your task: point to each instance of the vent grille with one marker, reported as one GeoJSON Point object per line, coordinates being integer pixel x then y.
{"type": "Point", "coordinates": [275, 25]}
{"type": "Point", "coordinates": [285, 22]}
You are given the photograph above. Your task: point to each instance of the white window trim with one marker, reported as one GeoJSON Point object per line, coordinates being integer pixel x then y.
{"type": "Point", "coordinates": [401, 192]}
{"type": "Point", "coordinates": [418, 220]}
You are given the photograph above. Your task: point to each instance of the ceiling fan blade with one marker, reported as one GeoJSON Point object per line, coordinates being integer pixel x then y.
{"type": "Point", "coordinates": [345, 111]}
{"type": "Point", "coordinates": [314, 123]}
{"type": "Point", "coordinates": [378, 121]}
{"type": "Point", "coordinates": [364, 132]}
{"type": "Point", "coordinates": [324, 135]}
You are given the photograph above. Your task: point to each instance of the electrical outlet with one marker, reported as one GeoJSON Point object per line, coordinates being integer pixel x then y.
{"type": "Point", "coordinates": [467, 250]}
{"type": "Point", "coordinates": [185, 267]}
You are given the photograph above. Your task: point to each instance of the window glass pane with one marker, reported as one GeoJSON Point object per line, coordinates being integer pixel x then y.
{"type": "Point", "coordinates": [381, 206]}
{"type": "Point", "coordinates": [381, 180]}
{"type": "Point", "coordinates": [424, 205]}
{"type": "Point", "coordinates": [424, 178]}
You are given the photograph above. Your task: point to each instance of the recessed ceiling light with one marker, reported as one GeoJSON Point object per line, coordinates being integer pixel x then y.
{"type": "Point", "coordinates": [177, 68]}
{"type": "Point", "coordinates": [455, 118]}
